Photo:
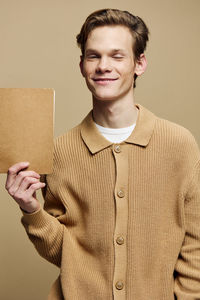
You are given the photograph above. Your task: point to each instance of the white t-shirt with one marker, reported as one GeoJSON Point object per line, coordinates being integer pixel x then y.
{"type": "Point", "coordinates": [116, 135]}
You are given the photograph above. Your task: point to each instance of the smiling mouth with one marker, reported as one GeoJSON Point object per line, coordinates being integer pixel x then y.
{"type": "Point", "coordinates": [104, 79]}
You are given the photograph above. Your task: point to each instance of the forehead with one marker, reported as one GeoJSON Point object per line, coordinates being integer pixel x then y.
{"type": "Point", "coordinates": [111, 36]}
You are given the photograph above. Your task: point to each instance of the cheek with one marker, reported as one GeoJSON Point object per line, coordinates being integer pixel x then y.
{"type": "Point", "coordinates": [88, 68]}
{"type": "Point", "coordinates": [126, 69]}
{"type": "Point", "coordinates": [127, 74]}
{"type": "Point", "coordinates": [130, 71]}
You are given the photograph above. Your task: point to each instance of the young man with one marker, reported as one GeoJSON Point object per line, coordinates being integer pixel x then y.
{"type": "Point", "coordinates": [121, 216]}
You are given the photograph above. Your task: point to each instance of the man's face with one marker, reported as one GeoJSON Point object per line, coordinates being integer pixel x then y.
{"type": "Point", "coordinates": [108, 65]}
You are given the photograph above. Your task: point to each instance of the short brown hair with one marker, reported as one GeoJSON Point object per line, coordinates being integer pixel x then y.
{"type": "Point", "coordinates": [109, 16]}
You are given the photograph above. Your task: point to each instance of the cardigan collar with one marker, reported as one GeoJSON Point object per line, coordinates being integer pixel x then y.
{"type": "Point", "coordinates": [141, 134]}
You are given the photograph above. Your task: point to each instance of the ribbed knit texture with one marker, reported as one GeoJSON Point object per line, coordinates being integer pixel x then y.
{"type": "Point", "coordinates": [157, 212]}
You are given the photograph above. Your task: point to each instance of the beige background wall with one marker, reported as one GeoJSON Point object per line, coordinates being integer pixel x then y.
{"type": "Point", "coordinates": [38, 49]}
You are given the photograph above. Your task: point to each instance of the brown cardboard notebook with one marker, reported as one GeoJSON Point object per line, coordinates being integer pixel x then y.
{"type": "Point", "coordinates": [26, 128]}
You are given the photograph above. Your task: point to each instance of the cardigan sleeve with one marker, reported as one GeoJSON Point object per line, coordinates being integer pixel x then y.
{"type": "Point", "coordinates": [45, 228]}
{"type": "Point", "coordinates": [187, 269]}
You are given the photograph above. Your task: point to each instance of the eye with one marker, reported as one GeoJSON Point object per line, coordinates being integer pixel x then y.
{"type": "Point", "coordinates": [92, 56]}
{"type": "Point", "coordinates": [118, 56]}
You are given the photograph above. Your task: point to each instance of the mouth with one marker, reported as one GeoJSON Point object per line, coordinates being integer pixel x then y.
{"type": "Point", "coordinates": [104, 81]}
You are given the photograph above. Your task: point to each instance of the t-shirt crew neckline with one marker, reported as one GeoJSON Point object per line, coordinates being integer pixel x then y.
{"type": "Point", "coordinates": [115, 135]}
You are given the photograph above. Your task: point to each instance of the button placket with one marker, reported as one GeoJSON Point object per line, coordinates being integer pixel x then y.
{"type": "Point", "coordinates": [121, 198]}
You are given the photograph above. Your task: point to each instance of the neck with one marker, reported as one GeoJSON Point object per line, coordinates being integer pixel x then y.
{"type": "Point", "coordinates": [115, 114]}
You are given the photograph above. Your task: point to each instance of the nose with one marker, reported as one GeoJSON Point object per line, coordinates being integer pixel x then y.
{"type": "Point", "coordinates": [103, 65]}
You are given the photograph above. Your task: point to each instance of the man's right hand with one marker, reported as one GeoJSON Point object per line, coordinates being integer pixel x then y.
{"type": "Point", "coordinates": [22, 186]}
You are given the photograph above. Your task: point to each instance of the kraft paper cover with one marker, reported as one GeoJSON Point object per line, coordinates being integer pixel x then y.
{"type": "Point", "coordinates": [26, 128]}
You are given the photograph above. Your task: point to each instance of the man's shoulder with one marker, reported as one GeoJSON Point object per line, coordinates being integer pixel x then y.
{"type": "Point", "coordinates": [173, 130]}
{"type": "Point", "coordinates": [166, 130]}
{"type": "Point", "coordinates": [171, 126]}
{"type": "Point", "coordinates": [75, 131]}
{"type": "Point", "coordinates": [68, 139]}
{"type": "Point", "coordinates": [176, 137]}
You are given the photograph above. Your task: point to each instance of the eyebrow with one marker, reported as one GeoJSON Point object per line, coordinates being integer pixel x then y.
{"type": "Point", "coordinates": [90, 50]}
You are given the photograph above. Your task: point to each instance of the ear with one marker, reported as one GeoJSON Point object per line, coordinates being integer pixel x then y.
{"type": "Point", "coordinates": [81, 65]}
{"type": "Point", "coordinates": [140, 65]}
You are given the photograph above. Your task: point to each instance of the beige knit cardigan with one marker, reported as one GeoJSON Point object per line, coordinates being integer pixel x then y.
{"type": "Point", "coordinates": [122, 221]}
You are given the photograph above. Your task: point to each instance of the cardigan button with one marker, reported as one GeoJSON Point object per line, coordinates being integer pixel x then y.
{"type": "Point", "coordinates": [120, 194]}
{"type": "Point", "coordinates": [117, 148]}
{"type": "Point", "coordinates": [120, 240]}
{"type": "Point", "coordinates": [119, 285]}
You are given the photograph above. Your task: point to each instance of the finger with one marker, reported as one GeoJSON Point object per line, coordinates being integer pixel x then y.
{"type": "Point", "coordinates": [13, 171]}
{"type": "Point", "coordinates": [24, 185]}
{"type": "Point", "coordinates": [21, 176]}
{"type": "Point", "coordinates": [26, 197]}
{"type": "Point", "coordinates": [33, 188]}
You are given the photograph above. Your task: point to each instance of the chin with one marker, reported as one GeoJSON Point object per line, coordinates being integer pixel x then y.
{"type": "Point", "coordinates": [105, 97]}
